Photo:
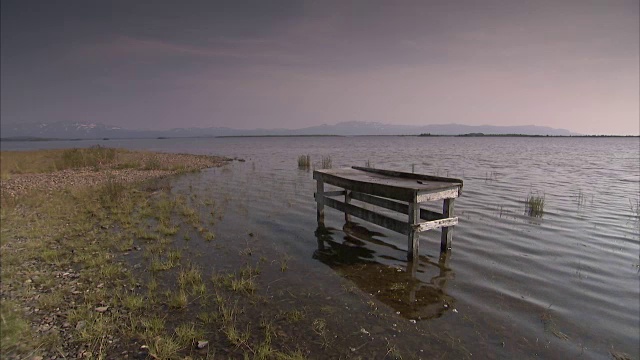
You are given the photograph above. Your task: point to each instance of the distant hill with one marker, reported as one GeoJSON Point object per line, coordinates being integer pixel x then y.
{"type": "Point", "coordinates": [76, 130]}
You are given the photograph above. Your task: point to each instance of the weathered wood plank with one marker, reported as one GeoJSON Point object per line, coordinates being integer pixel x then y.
{"type": "Point", "coordinates": [335, 193]}
{"type": "Point", "coordinates": [347, 201]}
{"type": "Point", "coordinates": [320, 198]}
{"type": "Point", "coordinates": [384, 190]}
{"type": "Point", "coordinates": [447, 232]}
{"type": "Point", "coordinates": [435, 224]}
{"type": "Point", "coordinates": [393, 173]}
{"type": "Point", "coordinates": [394, 205]}
{"type": "Point", "coordinates": [414, 232]}
{"type": "Point", "coordinates": [370, 216]}
{"type": "Point", "coordinates": [446, 194]}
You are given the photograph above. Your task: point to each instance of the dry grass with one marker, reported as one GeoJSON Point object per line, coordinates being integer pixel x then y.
{"type": "Point", "coordinates": [56, 170]}
{"type": "Point", "coordinates": [97, 158]}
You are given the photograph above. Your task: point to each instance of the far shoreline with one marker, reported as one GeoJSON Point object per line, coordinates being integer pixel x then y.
{"type": "Point", "coordinates": [38, 139]}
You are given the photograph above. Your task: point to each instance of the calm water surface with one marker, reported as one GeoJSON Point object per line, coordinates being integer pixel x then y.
{"type": "Point", "coordinates": [564, 285]}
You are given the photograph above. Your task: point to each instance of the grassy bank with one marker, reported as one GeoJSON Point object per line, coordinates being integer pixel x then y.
{"type": "Point", "coordinates": [92, 272]}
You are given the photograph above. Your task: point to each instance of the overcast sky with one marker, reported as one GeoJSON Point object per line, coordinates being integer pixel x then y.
{"type": "Point", "coordinates": [268, 64]}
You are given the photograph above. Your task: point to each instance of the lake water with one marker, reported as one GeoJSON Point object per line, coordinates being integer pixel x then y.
{"type": "Point", "coordinates": [563, 285]}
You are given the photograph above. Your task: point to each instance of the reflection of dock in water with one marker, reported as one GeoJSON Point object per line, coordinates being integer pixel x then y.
{"type": "Point", "coordinates": [400, 288]}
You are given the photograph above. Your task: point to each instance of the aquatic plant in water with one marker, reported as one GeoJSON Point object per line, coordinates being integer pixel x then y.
{"type": "Point", "coordinates": [304, 162]}
{"type": "Point", "coordinates": [326, 162]}
{"type": "Point", "coordinates": [635, 206]}
{"type": "Point", "coordinates": [534, 205]}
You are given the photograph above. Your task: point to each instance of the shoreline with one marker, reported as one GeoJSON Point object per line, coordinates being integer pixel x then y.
{"type": "Point", "coordinates": [37, 139]}
{"type": "Point", "coordinates": [130, 167]}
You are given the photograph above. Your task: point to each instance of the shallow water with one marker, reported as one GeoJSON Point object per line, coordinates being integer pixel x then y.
{"type": "Point", "coordinates": [565, 284]}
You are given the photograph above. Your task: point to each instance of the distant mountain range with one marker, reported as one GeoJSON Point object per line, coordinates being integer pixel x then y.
{"type": "Point", "coordinates": [75, 130]}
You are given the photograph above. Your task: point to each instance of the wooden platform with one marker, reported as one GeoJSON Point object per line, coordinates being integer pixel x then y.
{"type": "Point", "coordinates": [397, 191]}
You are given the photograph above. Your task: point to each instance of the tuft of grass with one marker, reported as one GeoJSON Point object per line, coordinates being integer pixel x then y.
{"type": "Point", "coordinates": [143, 234]}
{"type": "Point", "coordinates": [191, 277]}
{"type": "Point", "coordinates": [187, 334]}
{"type": "Point", "coordinates": [153, 326]}
{"type": "Point", "coordinates": [167, 230]}
{"type": "Point", "coordinates": [326, 162]}
{"type": "Point", "coordinates": [158, 264]}
{"type": "Point", "coordinates": [534, 205]}
{"type": "Point", "coordinates": [164, 348]}
{"type": "Point", "coordinates": [240, 284]}
{"type": "Point", "coordinates": [235, 336]}
{"type": "Point", "coordinates": [284, 263]}
{"type": "Point", "coordinates": [304, 162]}
{"type": "Point", "coordinates": [208, 318]}
{"type": "Point", "coordinates": [294, 315]}
{"type": "Point", "coordinates": [209, 236]}
{"type": "Point", "coordinates": [178, 300]}
{"type": "Point", "coordinates": [174, 256]}
{"type": "Point", "coordinates": [111, 271]}
{"type": "Point", "coordinates": [133, 302]}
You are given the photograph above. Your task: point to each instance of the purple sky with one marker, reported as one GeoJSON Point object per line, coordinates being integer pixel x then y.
{"type": "Point", "coordinates": [166, 64]}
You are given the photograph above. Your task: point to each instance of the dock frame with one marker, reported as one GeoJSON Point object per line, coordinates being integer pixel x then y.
{"type": "Point", "coordinates": [397, 191]}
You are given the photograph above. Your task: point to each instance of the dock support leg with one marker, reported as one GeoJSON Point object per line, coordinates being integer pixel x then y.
{"type": "Point", "coordinates": [320, 201]}
{"type": "Point", "coordinates": [412, 266]}
{"type": "Point", "coordinates": [447, 231]}
{"type": "Point", "coordinates": [347, 200]}
{"type": "Point", "coordinates": [414, 216]}
{"type": "Point", "coordinates": [320, 242]}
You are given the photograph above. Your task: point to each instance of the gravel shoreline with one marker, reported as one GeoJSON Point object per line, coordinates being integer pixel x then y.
{"type": "Point", "coordinates": [20, 184]}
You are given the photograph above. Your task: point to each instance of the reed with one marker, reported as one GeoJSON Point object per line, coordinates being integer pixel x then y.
{"type": "Point", "coordinates": [534, 205]}
{"type": "Point", "coordinates": [304, 162]}
{"type": "Point", "coordinates": [634, 205]}
{"type": "Point", "coordinates": [326, 162]}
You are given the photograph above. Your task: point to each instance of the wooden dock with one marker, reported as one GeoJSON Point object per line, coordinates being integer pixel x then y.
{"type": "Point", "coordinates": [397, 191]}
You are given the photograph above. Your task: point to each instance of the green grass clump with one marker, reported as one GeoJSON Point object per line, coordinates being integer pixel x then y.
{"type": "Point", "coordinates": [188, 334]}
{"type": "Point", "coordinates": [163, 347]}
{"type": "Point", "coordinates": [534, 205]}
{"type": "Point", "coordinates": [304, 162]}
{"type": "Point", "coordinates": [177, 300]}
